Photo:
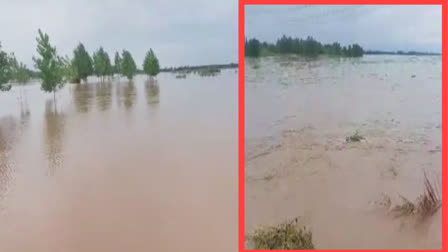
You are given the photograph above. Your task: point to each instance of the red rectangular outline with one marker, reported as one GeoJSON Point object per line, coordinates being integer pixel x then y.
{"type": "Point", "coordinates": [241, 5]}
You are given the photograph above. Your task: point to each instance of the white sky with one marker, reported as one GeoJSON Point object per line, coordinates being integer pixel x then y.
{"type": "Point", "coordinates": [180, 32]}
{"type": "Point", "coordinates": [390, 27]}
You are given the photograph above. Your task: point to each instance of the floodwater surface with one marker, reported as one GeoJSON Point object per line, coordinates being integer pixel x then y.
{"type": "Point", "coordinates": [120, 166]}
{"type": "Point", "coordinates": [298, 113]}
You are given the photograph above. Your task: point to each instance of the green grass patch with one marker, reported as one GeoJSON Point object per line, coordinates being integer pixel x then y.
{"type": "Point", "coordinates": [288, 235]}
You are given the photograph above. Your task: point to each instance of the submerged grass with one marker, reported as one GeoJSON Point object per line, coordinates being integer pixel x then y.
{"type": "Point", "coordinates": [354, 138]}
{"type": "Point", "coordinates": [426, 205]}
{"type": "Point", "coordinates": [430, 201]}
{"type": "Point", "coordinates": [289, 235]}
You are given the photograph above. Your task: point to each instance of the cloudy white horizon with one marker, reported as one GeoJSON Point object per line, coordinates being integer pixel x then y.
{"type": "Point", "coordinates": [196, 32]}
{"type": "Point", "coordinates": [374, 27]}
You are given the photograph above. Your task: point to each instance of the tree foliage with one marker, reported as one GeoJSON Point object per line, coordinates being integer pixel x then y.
{"type": "Point", "coordinates": [128, 67]}
{"type": "Point", "coordinates": [117, 63]}
{"type": "Point", "coordinates": [69, 70]}
{"type": "Point", "coordinates": [101, 63]}
{"type": "Point", "coordinates": [252, 48]}
{"type": "Point", "coordinates": [151, 64]}
{"type": "Point", "coordinates": [22, 74]}
{"type": "Point", "coordinates": [82, 63]}
{"type": "Point", "coordinates": [109, 70]}
{"type": "Point", "coordinates": [306, 47]}
{"type": "Point", "coordinates": [48, 63]}
{"type": "Point", "coordinates": [6, 69]}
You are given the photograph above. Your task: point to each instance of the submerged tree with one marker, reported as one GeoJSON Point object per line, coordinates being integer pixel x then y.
{"type": "Point", "coordinates": [117, 63]}
{"type": "Point", "coordinates": [49, 65]}
{"type": "Point", "coordinates": [6, 70]}
{"type": "Point", "coordinates": [151, 64]}
{"type": "Point", "coordinates": [100, 63]}
{"type": "Point", "coordinates": [109, 70]}
{"type": "Point", "coordinates": [22, 74]}
{"type": "Point", "coordinates": [128, 67]}
{"type": "Point", "coordinates": [69, 71]}
{"type": "Point", "coordinates": [82, 63]}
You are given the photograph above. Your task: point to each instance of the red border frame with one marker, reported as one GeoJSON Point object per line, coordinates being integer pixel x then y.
{"type": "Point", "coordinates": [241, 5]}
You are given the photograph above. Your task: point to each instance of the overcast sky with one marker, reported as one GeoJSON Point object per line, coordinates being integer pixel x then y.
{"type": "Point", "coordinates": [373, 27]}
{"type": "Point", "coordinates": [180, 32]}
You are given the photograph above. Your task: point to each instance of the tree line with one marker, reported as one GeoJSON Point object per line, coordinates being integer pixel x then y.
{"type": "Point", "coordinates": [199, 67]}
{"type": "Point", "coordinates": [56, 70]}
{"type": "Point", "coordinates": [306, 47]}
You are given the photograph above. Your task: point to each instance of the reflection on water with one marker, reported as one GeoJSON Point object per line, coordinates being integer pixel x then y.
{"type": "Point", "coordinates": [125, 180]}
{"type": "Point", "coordinates": [152, 91]}
{"type": "Point", "coordinates": [126, 94]}
{"type": "Point", "coordinates": [104, 95]}
{"type": "Point", "coordinates": [54, 131]}
{"type": "Point", "coordinates": [8, 131]}
{"type": "Point", "coordinates": [83, 95]}
{"type": "Point", "coordinates": [24, 112]}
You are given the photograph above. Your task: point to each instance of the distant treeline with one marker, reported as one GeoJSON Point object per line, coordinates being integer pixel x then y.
{"type": "Point", "coordinates": [306, 47]}
{"type": "Point", "coordinates": [197, 68]}
{"type": "Point", "coordinates": [376, 52]}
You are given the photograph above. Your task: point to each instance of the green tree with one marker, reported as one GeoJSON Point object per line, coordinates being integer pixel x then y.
{"type": "Point", "coordinates": [82, 63]}
{"type": "Point", "coordinates": [252, 48]}
{"type": "Point", "coordinates": [69, 70]}
{"type": "Point", "coordinates": [357, 51]}
{"type": "Point", "coordinates": [6, 70]}
{"type": "Point", "coordinates": [128, 67]}
{"type": "Point", "coordinates": [151, 64]}
{"type": "Point", "coordinates": [99, 63]}
{"type": "Point", "coordinates": [117, 63]}
{"type": "Point", "coordinates": [49, 65]}
{"type": "Point", "coordinates": [22, 74]}
{"type": "Point", "coordinates": [109, 69]}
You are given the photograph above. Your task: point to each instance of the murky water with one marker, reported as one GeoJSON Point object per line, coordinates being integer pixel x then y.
{"type": "Point", "coordinates": [142, 166]}
{"type": "Point", "coordinates": [298, 114]}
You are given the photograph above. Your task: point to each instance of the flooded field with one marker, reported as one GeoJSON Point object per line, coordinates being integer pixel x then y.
{"type": "Point", "coordinates": [298, 163]}
{"type": "Point", "coordinates": [142, 166]}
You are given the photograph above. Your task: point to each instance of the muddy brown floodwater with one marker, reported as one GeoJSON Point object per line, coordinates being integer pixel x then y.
{"type": "Point", "coordinates": [142, 166]}
{"type": "Point", "coordinates": [297, 162]}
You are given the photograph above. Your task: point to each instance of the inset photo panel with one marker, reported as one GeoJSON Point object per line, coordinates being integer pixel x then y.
{"type": "Point", "coordinates": [344, 129]}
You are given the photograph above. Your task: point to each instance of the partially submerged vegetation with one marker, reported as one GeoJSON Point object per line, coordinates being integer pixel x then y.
{"type": "Point", "coordinates": [55, 70]}
{"type": "Point", "coordinates": [191, 69]}
{"type": "Point", "coordinates": [354, 138]}
{"type": "Point", "coordinates": [181, 76]}
{"type": "Point", "coordinates": [203, 71]}
{"type": "Point", "coordinates": [425, 206]}
{"type": "Point", "coordinates": [306, 47]}
{"type": "Point", "coordinates": [211, 71]}
{"type": "Point", "coordinates": [12, 71]}
{"type": "Point", "coordinates": [289, 235]}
